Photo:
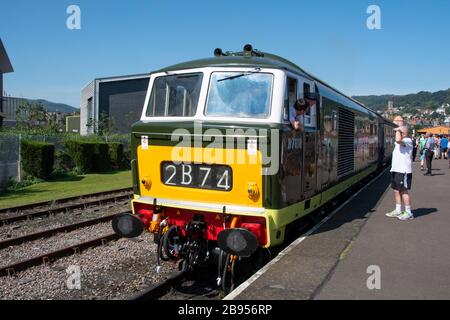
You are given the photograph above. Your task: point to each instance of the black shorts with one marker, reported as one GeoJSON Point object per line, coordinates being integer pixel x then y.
{"type": "Point", "coordinates": [401, 181]}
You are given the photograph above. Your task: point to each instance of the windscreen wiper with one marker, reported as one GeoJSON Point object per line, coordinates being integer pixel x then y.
{"type": "Point", "coordinates": [256, 70]}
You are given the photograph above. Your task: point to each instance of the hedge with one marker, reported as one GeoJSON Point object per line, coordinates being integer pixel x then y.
{"type": "Point", "coordinates": [91, 156]}
{"type": "Point", "coordinates": [82, 154]}
{"type": "Point", "coordinates": [102, 160]}
{"type": "Point", "coordinates": [116, 154]}
{"type": "Point", "coordinates": [37, 158]}
{"type": "Point", "coordinates": [63, 162]}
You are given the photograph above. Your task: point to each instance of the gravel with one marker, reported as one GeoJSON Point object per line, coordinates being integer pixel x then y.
{"type": "Point", "coordinates": [114, 271]}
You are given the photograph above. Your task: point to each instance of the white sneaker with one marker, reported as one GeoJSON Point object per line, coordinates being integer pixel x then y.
{"type": "Point", "coordinates": [393, 214]}
{"type": "Point", "coordinates": [405, 216]}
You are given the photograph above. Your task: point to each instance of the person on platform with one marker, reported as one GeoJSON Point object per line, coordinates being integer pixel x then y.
{"type": "Point", "coordinates": [401, 174]}
{"type": "Point", "coordinates": [444, 147]}
{"type": "Point", "coordinates": [448, 157]}
{"type": "Point", "coordinates": [429, 153]}
{"type": "Point", "coordinates": [437, 147]}
{"type": "Point", "coordinates": [422, 141]}
{"type": "Point", "coordinates": [415, 144]}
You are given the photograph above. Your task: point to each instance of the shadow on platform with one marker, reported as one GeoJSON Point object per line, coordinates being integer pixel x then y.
{"type": "Point", "coordinates": [423, 211]}
{"type": "Point", "coordinates": [361, 208]}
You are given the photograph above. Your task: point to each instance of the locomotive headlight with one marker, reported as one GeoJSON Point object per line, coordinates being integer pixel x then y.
{"type": "Point", "coordinates": [127, 225]}
{"type": "Point", "coordinates": [238, 242]}
{"type": "Point", "coordinates": [253, 191]}
{"type": "Point", "coordinates": [147, 182]}
{"type": "Point", "coordinates": [248, 48]}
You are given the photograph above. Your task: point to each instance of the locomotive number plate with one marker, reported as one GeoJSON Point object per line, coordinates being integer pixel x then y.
{"type": "Point", "coordinates": [202, 176]}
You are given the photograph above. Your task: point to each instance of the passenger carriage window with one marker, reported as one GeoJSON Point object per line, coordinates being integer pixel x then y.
{"type": "Point", "coordinates": [175, 95]}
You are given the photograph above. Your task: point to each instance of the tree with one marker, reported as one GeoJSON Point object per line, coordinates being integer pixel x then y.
{"type": "Point", "coordinates": [53, 124]}
{"type": "Point", "coordinates": [437, 116]}
{"type": "Point", "coordinates": [104, 126]}
{"type": "Point", "coordinates": [417, 127]}
{"type": "Point", "coordinates": [447, 111]}
{"type": "Point", "coordinates": [30, 115]}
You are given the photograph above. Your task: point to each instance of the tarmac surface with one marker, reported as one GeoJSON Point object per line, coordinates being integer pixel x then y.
{"type": "Point", "coordinates": [359, 253]}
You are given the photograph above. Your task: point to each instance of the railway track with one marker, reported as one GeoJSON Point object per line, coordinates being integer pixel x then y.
{"type": "Point", "coordinates": [37, 250]}
{"type": "Point", "coordinates": [183, 285]}
{"type": "Point", "coordinates": [65, 206]}
{"type": "Point", "coordinates": [57, 202]}
{"type": "Point", "coordinates": [159, 290]}
{"type": "Point", "coordinates": [49, 257]}
{"type": "Point", "coordinates": [51, 208]}
{"type": "Point", "coordinates": [51, 232]}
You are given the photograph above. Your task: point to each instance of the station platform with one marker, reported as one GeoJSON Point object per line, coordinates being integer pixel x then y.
{"type": "Point", "coordinates": [359, 245]}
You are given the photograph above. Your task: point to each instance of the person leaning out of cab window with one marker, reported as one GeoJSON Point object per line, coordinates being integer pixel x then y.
{"type": "Point", "coordinates": [298, 110]}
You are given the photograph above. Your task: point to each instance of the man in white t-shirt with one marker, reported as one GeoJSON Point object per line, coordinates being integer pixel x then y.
{"type": "Point", "coordinates": [401, 174]}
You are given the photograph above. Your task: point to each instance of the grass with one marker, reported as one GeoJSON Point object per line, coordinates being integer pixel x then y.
{"type": "Point", "coordinates": [66, 187]}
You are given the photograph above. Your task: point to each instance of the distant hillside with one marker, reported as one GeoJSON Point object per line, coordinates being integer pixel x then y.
{"type": "Point", "coordinates": [55, 107]}
{"type": "Point", "coordinates": [411, 102]}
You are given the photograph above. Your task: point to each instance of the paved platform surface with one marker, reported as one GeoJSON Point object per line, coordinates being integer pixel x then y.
{"type": "Point", "coordinates": [332, 263]}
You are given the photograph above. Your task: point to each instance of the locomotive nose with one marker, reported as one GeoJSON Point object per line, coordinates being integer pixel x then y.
{"type": "Point", "coordinates": [127, 225]}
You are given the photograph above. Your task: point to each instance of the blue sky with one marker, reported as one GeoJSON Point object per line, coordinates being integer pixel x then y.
{"type": "Point", "coordinates": [328, 38]}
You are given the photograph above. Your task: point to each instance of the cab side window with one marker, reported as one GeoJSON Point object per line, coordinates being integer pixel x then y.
{"type": "Point", "coordinates": [291, 95]}
{"type": "Point", "coordinates": [311, 114]}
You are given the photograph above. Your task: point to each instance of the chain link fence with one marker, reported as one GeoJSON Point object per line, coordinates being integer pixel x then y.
{"type": "Point", "coordinates": [9, 158]}
{"type": "Point", "coordinates": [10, 150]}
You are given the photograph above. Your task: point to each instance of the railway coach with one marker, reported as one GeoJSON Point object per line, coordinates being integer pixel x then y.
{"type": "Point", "coordinates": [218, 170]}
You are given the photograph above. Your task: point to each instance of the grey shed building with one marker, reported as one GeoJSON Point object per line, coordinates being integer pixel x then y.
{"type": "Point", "coordinates": [118, 99]}
{"type": "Point", "coordinates": [5, 67]}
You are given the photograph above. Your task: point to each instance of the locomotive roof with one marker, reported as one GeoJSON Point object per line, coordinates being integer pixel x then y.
{"type": "Point", "coordinates": [234, 61]}
{"type": "Point", "coordinates": [240, 59]}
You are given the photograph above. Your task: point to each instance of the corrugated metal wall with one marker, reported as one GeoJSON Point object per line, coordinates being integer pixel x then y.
{"type": "Point", "coordinates": [87, 106]}
{"type": "Point", "coordinates": [10, 105]}
{"type": "Point", "coordinates": [122, 101]}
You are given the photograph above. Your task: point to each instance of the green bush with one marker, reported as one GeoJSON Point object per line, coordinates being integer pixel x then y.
{"type": "Point", "coordinates": [63, 162]}
{"type": "Point", "coordinates": [102, 160]}
{"type": "Point", "coordinates": [15, 185]}
{"type": "Point", "coordinates": [116, 154]}
{"type": "Point", "coordinates": [126, 164]}
{"type": "Point", "coordinates": [82, 154]}
{"type": "Point", "coordinates": [37, 158]}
